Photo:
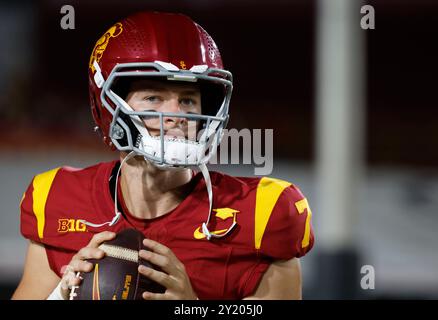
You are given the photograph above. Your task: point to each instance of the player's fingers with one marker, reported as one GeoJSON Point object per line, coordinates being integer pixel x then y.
{"type": "Point", "coordinates": [159, 260]}
{"type": "Point", "coordinates": [154, 296]}
{"type": "Point", "coordinates": [157, 276]}
{"type": "Point", "coordinates": [158, 248]}
{"type": "Point", "coordinates": [81, 266]}
{"type": "Point", "coordinates": [66, 279]}
{"type": "Point", "coordinates": [98, 238]}
{"type": "Point", "coordinates": [69, 278]}
{"type": "Point", "coordinates": [73, 280]}
{"type": "Point", "coordinates": [89, 253]}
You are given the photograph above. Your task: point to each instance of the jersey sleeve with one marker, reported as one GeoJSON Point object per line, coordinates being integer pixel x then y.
{"type": "Point", "coordinates": [288, 231]}
{"type": "Point", "coordinates": [28, 222]}
{"type": "Point", "coordinates": [33, 206]}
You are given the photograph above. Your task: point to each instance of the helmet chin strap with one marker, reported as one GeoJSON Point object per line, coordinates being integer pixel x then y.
{"type": "Point", "coordinates": [207, 180]}
{"type": "Point", "coordinates": [117, 213]}
{"type": "Point", "coordinates": [205, 230]}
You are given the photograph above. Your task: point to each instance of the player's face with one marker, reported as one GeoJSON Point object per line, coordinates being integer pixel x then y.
{"type": "Point", "coordinates": [162, 96]}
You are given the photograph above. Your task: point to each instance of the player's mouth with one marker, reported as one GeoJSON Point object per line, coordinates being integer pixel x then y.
{"type": "Point", "coordinates": [171, 133]}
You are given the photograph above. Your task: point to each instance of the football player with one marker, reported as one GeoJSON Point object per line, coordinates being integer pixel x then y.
{"type": "Point", "coordinates": [160, 95]}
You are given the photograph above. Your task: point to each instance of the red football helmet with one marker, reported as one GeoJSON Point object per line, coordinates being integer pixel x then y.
{"type": "Point", "coordinates": [161, 46]}
{"type": "Point", "coordinates": [166, 47]}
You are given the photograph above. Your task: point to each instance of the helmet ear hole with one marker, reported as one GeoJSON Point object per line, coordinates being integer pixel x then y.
{"type": "Point", "coordinates": [123, 141]}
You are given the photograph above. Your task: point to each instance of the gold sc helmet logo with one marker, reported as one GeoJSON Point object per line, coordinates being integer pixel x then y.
{"type": "Point", "coordinates": [102, 43]}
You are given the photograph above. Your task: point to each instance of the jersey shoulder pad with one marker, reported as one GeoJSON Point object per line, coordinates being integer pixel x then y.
{"type": "Point", "coordinates": [48, 191]}
{"type": "Point", "coordinates": [32, 205]}
{"type": "Point", "coordinates": [283, 227]}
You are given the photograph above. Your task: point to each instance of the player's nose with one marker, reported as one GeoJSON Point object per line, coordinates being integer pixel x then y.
{"type": "Point", "coordinates": [172, 106]}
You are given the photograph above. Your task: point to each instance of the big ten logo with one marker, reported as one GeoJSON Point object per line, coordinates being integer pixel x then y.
{"type": "Point", "coordinates": [367, 281]}
{"type": "Point", "coordinates": [71, 225]}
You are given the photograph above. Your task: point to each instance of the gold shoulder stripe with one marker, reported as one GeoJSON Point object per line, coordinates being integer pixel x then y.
{"type": "Point", "coordinates": [41, 188]}
{"type": "Point", "coordinates": [268, 192]}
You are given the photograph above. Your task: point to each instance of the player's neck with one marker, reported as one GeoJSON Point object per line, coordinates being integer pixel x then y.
{"type": "Point", "coordinates": [150, 192]}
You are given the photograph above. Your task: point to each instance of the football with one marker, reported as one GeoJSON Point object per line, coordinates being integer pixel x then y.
{"type": "Point", "coordinates": [116, 276]}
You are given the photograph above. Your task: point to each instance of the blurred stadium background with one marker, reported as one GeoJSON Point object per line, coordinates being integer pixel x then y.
{"type": "Point", "coordinates": [354, 114]}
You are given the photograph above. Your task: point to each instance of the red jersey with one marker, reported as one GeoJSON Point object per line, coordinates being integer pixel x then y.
{"type": "Point", "coordinates": [273, 222]}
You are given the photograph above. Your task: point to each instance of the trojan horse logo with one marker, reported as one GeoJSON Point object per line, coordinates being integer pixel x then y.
{"type": "Point", "coordinates": [102, 43]}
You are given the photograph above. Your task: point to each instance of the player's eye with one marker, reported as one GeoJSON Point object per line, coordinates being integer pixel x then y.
{"type": "Point", "coordinates": [189, 102]}
{"type": "Point", "coordinates": [152, 99]}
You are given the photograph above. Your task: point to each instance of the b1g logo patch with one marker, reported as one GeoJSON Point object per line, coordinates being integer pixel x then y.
{"type": "Point", "coordinates": [71, 225]}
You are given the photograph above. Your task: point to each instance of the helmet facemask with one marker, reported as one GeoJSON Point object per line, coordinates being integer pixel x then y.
{"type": "Point", "coordinates": [194, 147]}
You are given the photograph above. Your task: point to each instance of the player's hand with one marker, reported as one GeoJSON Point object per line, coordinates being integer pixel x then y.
{"type": "Point", "coordinates": [173, 275]}
{"type": "Point", "coordinates": [79, 264]}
